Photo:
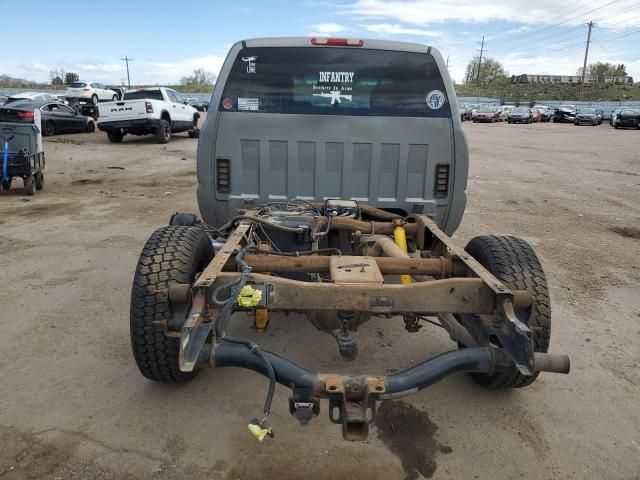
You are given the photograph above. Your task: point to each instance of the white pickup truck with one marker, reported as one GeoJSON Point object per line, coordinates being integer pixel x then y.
{"type": "Point", "coordinates": [156, 110]}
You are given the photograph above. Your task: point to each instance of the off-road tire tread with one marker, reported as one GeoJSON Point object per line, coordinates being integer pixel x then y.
{"type": "Point", "coordinates": [161, 132]}
{"type": "Point", "coordinates": [513, 262]}
{"type": "Point", "coordinates": [171, 254]}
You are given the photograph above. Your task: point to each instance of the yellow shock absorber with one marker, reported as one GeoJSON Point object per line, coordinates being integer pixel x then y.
{"type": "Point", "coordinates": [400, 237]}
{"type": "Point", "coordinates": [261, 319]}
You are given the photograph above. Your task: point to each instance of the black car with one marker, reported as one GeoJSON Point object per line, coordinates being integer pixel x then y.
{"type": "Point", "coordinates": [520, 115]}
{"type": "Point", "coordinates": [200, 105]}
{"type": "Point", "coordinates": [628, 119]}
{"type": "Point", "coordinates": [56, 117]}
{"type": "Point", "coordinates": [466, 112]}
{"type": "Point", "coordinates": [588, 116]}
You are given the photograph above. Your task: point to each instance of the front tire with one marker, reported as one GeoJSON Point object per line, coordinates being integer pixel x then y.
{"type": "Point", "coordinates": [172, 254]}
{"type": "Point", "coordinates": [163, 132]}
{"type": "Point", "coordinates": [513, 262]}
{"type": "Point", "coordinates": [91, 127]}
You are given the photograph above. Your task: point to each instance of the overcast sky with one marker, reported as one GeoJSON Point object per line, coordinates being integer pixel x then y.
{"type": "Point", "coordinates": [169, 39]}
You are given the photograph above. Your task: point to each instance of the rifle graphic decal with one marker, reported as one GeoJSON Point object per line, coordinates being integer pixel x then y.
{"type": "Point", "coordinates": [334, 95]}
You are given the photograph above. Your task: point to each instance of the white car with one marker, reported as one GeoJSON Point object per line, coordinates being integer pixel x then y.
{"type": "Point", "coordinates": [93, 92]}
{"type": "Point", "coordinates": [157, 110]}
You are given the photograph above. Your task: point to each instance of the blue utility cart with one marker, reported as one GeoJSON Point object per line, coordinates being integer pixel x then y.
{"type": "Point", "coordinates": [21, 153]}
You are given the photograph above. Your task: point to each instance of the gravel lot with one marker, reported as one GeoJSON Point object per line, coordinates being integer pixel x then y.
{"type": "Point", "coordinates": [73, 405]}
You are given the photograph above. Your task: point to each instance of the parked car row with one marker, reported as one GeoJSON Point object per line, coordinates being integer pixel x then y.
{"type": "Point", "coordinates": [566, 113]}
{"type": "Point", "coordinates": [159, 111]}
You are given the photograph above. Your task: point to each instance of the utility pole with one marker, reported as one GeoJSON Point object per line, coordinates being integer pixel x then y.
{"type": "Point", "coordinates": [480, 61]}
{"type": "Point", "coordinates": [584, 66]}
{"type": "Point", "coordinates": [127, 60]}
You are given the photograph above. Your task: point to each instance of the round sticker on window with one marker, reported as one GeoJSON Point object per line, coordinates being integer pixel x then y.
{"type": "Point", "coordinates": [435, 99]}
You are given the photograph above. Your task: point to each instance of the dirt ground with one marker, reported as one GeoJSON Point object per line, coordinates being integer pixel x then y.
{"type": "Point", "coordinates": [73, 405]}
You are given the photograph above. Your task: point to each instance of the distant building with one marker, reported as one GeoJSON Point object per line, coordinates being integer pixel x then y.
{"type": "Point", "coordinates": [568, 79]}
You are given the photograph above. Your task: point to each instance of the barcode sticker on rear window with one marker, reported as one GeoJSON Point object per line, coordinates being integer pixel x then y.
{"type": "Point", "coordinates": [251, 104]}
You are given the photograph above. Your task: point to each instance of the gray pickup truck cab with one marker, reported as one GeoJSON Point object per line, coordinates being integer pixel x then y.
{"type": "Point", "coordinates": [313, 119]}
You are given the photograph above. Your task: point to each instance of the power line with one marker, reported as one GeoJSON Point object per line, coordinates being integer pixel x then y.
{"type": "Point", "coordinates": [536, 32]}
{"type": "Point", "coordinates": [569, 33]}
{"type": "Point", "coordinates": [561, 13]}
{"type": "Point", "coordinates": [607, 38]}
{"type": "Point", "coordinates": [551, 14]}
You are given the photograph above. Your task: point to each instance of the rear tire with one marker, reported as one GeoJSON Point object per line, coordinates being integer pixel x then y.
{"type": "Point", "coordinates": [94, 99]}
{"type": "Point", "coordinates": [513, 262]}
{"type": "Point", "coordinates": [195, 131]}
{"type": "Point", "coordinates": [163, 132]}
{"type": "Point", "coordinates": [6, 185]}
{"type": "Point", "coordinates": [114, 98]}
{"type": "Point", "coordinates": [49, 128]}
{"type": "Point", "coordinates": [172, 254]}
{"type": "Point", "coordinates": [115, 137]}
{"type": "Point", "coordinates": [39, 179]}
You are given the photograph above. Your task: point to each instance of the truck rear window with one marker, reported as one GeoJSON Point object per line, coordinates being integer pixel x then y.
{"type": "Point", "coordinates": [143, 94]}
{"type": "Point", "coordinates": [335, 81]}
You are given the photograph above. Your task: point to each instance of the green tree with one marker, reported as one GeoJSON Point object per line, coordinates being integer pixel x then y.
{"type": "Point", "coordinates": [604, 69]}
{"type": "Point", "coordinates": [491, 72]}
{"type": "Point", "coordinates": [200, 77]}
{"type": "Point", "coordinates": [71, 77]}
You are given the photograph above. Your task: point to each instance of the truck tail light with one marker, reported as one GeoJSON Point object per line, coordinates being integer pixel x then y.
{"type": "Point", "coordinates": [337, 42]}
{"type": "Point", "coordinates": [149, 107]}
{"type": "Point", "coordinates": [223, 175]}
{"type": "Point", "coordinates": [442, 180]}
